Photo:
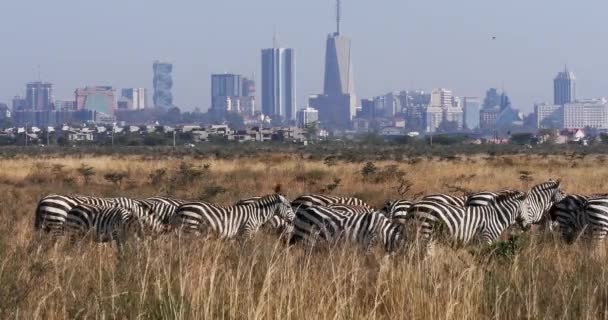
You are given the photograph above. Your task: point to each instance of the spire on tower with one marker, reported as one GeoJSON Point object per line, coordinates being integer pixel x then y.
{"type": "Point", "coordinates": [338, 17]}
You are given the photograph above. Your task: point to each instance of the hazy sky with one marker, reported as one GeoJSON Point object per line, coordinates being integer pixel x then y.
{"type": "Point", "coordinates": [397, 44]}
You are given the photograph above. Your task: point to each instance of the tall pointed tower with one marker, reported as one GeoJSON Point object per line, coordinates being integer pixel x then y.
{"type": "Point", "coordinates": [339, 102]}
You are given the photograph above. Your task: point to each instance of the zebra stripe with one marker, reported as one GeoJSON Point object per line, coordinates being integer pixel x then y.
{"type": "Point", "coordinates": [350, 209]}
{"type": "Point", "coordinates": [322, 223]}
{"type": "Point", "coordinates": [107, 223]}
{"type": "Point", "coordinates": [463, 224]}
{"type": "Point", "coordinates": [232, 221]}
{"type": "Point", "coordinates": [577, 215]}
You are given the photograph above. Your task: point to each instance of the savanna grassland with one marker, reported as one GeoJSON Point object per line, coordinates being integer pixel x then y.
{"type": "Point", "coordinates": [534, 276]}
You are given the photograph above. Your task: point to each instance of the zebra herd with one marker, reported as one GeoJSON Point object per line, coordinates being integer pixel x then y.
{"type": "Point", "coordinates": [313, 219]}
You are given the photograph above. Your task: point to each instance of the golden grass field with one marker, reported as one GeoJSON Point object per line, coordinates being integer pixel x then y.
{"type": "Point", "coordinates": [262, 278]}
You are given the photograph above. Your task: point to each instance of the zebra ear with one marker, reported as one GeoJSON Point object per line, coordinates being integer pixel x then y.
{"type": "Point", "coordinates": [278, 189]}
{"type": "Point", "coordinates": [558, 182]}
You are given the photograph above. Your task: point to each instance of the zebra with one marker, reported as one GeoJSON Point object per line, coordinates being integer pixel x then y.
{"type": "Point", "coordinates": [229, 222]}
{"type": "Point", "coordinates": [280, 225]}
{"type": "Point", "coordinates": [52, 211]}
{"type": "Point", "coordinates": [350, 209]}
{"type": "Point", "coordinates": [539, 201]}
{"type": "Point", "coordinates": [579, 214]}
{"type": "Point", "coordinates": [164, 208]}
{"type": "Point", "coordinates": [319, 222]}
{"type": "Point", "coordinates": [106, 222]}
{"type": "Point", "coordinates": [463, 224]}
{"type": "Point", "coordinates": [325, 200]}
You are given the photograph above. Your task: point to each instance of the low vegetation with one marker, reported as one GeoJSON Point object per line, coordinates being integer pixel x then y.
{"type": "Point", "coordinates": [533, 275]}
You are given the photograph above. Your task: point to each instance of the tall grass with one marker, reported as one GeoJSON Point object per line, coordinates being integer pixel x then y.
{"type": "Point", "coordinates": [262, 278]}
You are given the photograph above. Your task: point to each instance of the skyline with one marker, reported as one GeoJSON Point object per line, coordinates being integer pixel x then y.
{"type": "Point", "coordinates": [433, 46]}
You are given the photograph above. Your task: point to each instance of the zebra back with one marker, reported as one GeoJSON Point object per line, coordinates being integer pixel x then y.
{"type": "Point", "coordinates": [350, 209]}
{"type": "Point", "coordinates": [446, 199]}
{"type": "Point", "coordinates": [568, 215]}
{"type": "Point", "coordinates": [396, 210]}
{"type": "Point", "coordinates": [325, 200]}
{"type": "Point", "coordinates": [502, 211]}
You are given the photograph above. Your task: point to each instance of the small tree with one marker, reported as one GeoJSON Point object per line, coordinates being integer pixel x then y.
{"type": "Point", "coordinates": [116, 177]}
{"type": "Point", "coordinates": [87, 172]}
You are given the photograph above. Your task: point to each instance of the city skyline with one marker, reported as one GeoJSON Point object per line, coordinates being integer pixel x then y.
{"type": "Point", "coordinates": [476, 63]}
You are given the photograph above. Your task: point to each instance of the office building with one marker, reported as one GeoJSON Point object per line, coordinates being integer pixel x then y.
{"type": "Point", "coordinates": [307, 116]}
{"type": "Point", "coordinates": [471, 108]}
{"type": "Point", "coordinates": [434, 118]}
{"type": "Point", "coordinates": [279, 83]}
{"type": "Point", "coordinates": [101, 99]}
{"type": "Point", "coordinates": [39, 95]}
{"type": "Point", "coordinates": [136, 98]}
{"type": "Point", "coordinates": [586, 114]}
{"type": "Point", "coordinates": [564, 87]}
{"type": "Point", "coordinates": [441, 98]}
{"type": "Point", "coordinates": [163, 84]}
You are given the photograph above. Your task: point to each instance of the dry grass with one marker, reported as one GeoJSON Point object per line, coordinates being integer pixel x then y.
{"type": "Point", "coordinates": [262, 278]}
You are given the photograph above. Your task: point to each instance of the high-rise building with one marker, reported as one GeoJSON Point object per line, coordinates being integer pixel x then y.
{"type": "Point", "coordinates": [136, 97]}
{"type": "Point", "coordinates": [279, 83]}
{"type": "Point", "coordinates": [39, 95]}
{"type": "Point", "coordinates": [232, 93]}
{"type": "Point", "coordinates": [586, 114]}
{"type": "Point", "coordinates": [472, 105]}
{"type": "Point", "coordinates": [19, 104]}
{"type": "Point", "coordinates": [101, 99]}
{"type": "Point", "coordinates": [338, 103]}
{"type": "Point", "coordinates": [163, 83]}
{"type": "Point", "coordinates": [307, 116]}
{"type": "Point", "coordinates": [564, 87]}
{"type": "Point", "coordinates": [434, 118]}
{"type": "Point", "coordinates": [441, 98]}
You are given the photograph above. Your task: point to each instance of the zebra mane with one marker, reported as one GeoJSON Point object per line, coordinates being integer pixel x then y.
{"type": "Point", "coordinates": [509, 195]}
{"type": "Point", "coordinates": [551, 184]}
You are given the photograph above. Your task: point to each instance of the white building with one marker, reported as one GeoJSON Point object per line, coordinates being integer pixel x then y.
{"type": "Point", "coordinates": [434, 118]}
{"type": "Point", "coordinates": [586, 113]}
{"type": "Point", "coordinates": [307, 116]}
{"type": "Point", "coordinates": [442, 98]}
{"type": "Point", "coordinates": [456, 115]}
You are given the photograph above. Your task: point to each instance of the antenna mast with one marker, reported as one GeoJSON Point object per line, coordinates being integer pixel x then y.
{"type": "Point", "coordinates": [338, 17]}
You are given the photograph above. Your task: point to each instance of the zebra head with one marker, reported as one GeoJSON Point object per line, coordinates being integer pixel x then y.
{"type": "Point", "coordinates": [538, 202]}
{"type": "Point", "coordinates": [284, 210]}
{"type": "Point", "coordinates": [145, 213]}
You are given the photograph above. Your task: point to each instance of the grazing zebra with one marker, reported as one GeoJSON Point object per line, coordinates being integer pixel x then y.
{"type": "Point", "coordinates": [52, 211]}
{"type": "Point", "coordinates": [325, 200]}
{"type": "Point", "coordinates": [322, 223]}
{"type": "Point", "coordinates": [164, 208]}
{"type": "Point", "coordinates": [539, 200]}
{"type": "Point", "coordinates": [396, 210]}
{"type": "Point", "coordinates": [463, 224]}
{"type": "Point", "coordinates": [280, 225]}
{"type": "Point", "coordinates": [229, 222]}
{"type": "Point", "coordinates": [107, 223]}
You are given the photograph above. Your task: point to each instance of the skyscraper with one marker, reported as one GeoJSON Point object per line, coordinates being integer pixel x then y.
{"type": "Point", "coordinates": [471, 108]}
{"type": "Point", "coordinates": [278, 83]}
{"type": "Point", "coordinates": [232, 93]}
{"type": "Point", "coordinates": [564, 88]}
{"type": "Point", "coordinates": [136, 97]}
{"type": "Point", "coordinates": [163, 83]}
{"type": "Point", "coordinates": [338, 104]}
{"type": "Point", "coordinates": [39, 95]}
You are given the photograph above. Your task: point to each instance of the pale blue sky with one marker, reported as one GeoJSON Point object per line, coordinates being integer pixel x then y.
{"type": "Point", "coordinates": [398, 44]}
